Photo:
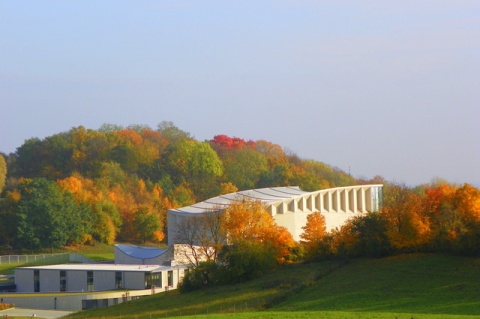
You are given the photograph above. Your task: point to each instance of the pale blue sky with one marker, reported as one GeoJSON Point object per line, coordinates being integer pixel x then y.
{"type": "Point", "coordinates": [387, 88]}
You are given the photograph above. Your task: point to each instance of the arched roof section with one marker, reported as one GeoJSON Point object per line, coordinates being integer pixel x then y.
{"type": "Point", "coordinates": [265, 195]}
{"type": "Point", "coordinates": [140, 252]}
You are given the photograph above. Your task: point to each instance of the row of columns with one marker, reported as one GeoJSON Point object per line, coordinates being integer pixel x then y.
{"type": "Point", "coordinates": [352, 199]}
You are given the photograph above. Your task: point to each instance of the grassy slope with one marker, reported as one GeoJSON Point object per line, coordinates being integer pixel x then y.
{"type": "Point", "coordinates": [418, 286]}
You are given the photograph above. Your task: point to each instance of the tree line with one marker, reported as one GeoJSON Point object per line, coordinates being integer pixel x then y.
{"type": "Point", "coordinates": [117, 183]}
{"type": "Point", "coordinates": [427, 219]}
{"type": "Point", "coordinates": [431, 218]}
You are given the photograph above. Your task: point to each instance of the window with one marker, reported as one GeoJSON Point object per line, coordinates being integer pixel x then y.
{"type": "Point", "coordinates": [90, 281]}
{"type": "Point", "coordinates": [36, 280]}
{"type": "Point", "coordinates": [148, 280]}
{"type": "Point", "coordinates": [118, 280]}
{"type": "Point", "coordinates": [153, 280]}
{"type": "Point", "coordinates": [63, 280]}
{"type": "Point", "coordinates": [157, 279]}
{"type": "Point", "coordinates": [170, 278]}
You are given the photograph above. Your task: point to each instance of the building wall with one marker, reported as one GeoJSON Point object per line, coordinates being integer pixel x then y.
{"type": "Point", "coordinates": [103, 280]}
{"type": "Point", "coordinates": [124, 259]}
{"type": "Point", "coordinates": [49, 280]}
{"type": "Point", "coordinates": [337, 205]}
{"type": "Point", "coordinates": [173, 220]}
{"type": "Point", "coordinates": [77, 280]}
{"type": "Point", "coordinates": [77, 296]}
{"type": "Point", "coordinates": [134, 280]}
{"type": "Point", "coordinates": [24, 280]}
{"type": "Point", "coordinates": [73, 302]}
{"type": "Point", "coordinates": [178, 275]}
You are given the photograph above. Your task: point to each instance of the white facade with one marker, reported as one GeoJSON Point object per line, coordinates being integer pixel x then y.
{"type": "Point", "coordinates": [96, 277]}
{"type": "Point", "coordinates": [74, 301]}
{"type": "Point", "coordinates": [85, 286]}
{"type": "Point", "coordinates": [290, 206]}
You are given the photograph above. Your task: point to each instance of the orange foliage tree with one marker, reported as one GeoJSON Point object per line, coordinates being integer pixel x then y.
{"type": "Point", "coordinates": [407, 227]}
{"type": "Point", "coordinates": [454, 213]}
{"type": "Point", "coordinates": [313, 232]}
{"type": "Point", "coordinates": [248, 220]}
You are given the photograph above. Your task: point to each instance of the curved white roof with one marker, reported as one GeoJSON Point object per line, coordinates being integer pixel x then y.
{"type": "Point", "coordinates": [265, 195]}
{"type": "Point", "coordinates": [140, 252]}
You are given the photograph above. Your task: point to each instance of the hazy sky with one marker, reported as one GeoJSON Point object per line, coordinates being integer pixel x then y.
{"type": "Point", "coordinates": [383, 87]}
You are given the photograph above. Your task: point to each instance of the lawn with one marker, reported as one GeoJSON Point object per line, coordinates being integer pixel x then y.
{"type": "Point", "coordinates": [428, 284]}
{"type": "Point", "coordinates": [408, 286]}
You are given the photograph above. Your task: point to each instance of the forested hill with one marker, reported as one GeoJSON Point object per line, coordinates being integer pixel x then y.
{"type": "Point", "coordinates": [117, 183]}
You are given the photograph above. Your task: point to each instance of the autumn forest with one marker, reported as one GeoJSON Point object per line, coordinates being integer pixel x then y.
{"type": "Point", "coordinates": [115, 184]}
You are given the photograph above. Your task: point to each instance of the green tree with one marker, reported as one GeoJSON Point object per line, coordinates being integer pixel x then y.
{"type": "Point", "coordinates": [247, 259]}
{"type": "Point", "coordinates": [107, 222]}
{"type": "Point", "coordinates": [29, 159]}
{"type": "Point", "coordinates": [172, 132]}
{"type": "Point", "coordinates": [9, 221]}
{"type": "Point", "coordinates": [197, 164]}
{"type": "Point", "coordinates": [370, 232]}
{"type": "Point", "coordinates": [145, 224]}
{"type": "Point", "coordinates": [46, 216]}
{"type": "Point", "coordinates": [246, 168]}
{"type": "Point", "coordinates": [192, 158]}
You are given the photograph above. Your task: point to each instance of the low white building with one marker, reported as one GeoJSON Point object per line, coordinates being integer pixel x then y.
{"type": "Point", "coordinates": [96, 277]}
{"type": "Point", "coordinates": [75, 286]}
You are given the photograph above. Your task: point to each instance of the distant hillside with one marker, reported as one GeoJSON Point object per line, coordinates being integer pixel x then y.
{"type": "Point", "coordinates": [407, 286]}
{"type": "Point", "coordinates": [117, 183]}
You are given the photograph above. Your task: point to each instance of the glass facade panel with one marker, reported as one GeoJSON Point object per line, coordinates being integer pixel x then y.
{"type": "Point", "coordinates": [118, 280]}
{"type": "Point", "coordinates": [148, 280]}
{"type": "Point", "coordinates": [170, 278]}
{"type": "Point", "coordinates": [153, 280]}
{"type": "Point", "coordinates": [63, 280]}
{"type": "Point", "coordinates": [36, 280]}
{"type": "Point", "coordinates": [90, 281]}
{"type": "Point", "coordinates": [157, 279]}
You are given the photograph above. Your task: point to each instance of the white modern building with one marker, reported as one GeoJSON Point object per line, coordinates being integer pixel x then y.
{"type": "Point", "coordinates": [290, 206]}
{"type": "Point", "coordinates": [96, 277]}
{"type": "Point", "coordinates": [77, 286]}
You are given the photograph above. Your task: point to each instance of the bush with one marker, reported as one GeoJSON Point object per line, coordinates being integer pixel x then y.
{"type": "Point", "coordinates": [4, 306]}
{"type": "Point", "coordinates": [204, 275]}
{"type": "Point", "coordinates": [247, 259]}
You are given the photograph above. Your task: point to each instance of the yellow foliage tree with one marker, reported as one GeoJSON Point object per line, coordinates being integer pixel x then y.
{"type": "Point", "coordinates": [227, 188]}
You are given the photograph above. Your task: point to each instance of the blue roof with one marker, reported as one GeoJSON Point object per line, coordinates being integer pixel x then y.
{"type": "Point", "coordinates": [140, 252]}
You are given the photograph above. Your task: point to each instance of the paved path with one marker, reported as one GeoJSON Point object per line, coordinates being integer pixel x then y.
{"type": "Point", "coordinates": [47, 314]}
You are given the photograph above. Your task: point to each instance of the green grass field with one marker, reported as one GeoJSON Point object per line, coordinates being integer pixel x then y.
{"type": "Point", "coordinates": [408, 286]}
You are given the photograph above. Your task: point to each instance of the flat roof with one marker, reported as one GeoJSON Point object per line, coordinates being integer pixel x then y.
{"type": "Point", "coordinates": [105, 267]}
